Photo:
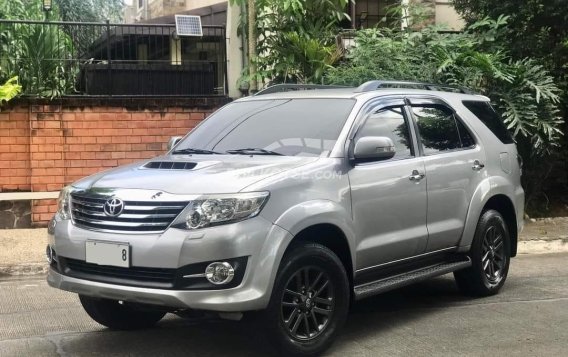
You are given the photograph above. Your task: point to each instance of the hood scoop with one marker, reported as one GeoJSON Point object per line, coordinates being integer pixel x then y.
{"type": "Point", "coordinates": [170, 165]}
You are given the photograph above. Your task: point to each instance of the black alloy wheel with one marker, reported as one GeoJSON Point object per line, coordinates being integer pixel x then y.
{"type": "Point", "coordinates": [490, 257]}
{"type": "Point", "coordinates": [307, 303]}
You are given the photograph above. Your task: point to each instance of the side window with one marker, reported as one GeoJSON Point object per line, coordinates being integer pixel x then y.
{"type": "Point", "coordinates": [487, 115]}
{"type": "Point", "coordinates": [390, 122]}
{"type": "Point", "coordinates": [465, 136]}
{"type": "Point", "coordinates": [438, 129]}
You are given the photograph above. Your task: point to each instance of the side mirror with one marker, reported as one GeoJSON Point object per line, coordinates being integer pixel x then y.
{"type": "Point", "coordinates": [374, 148]}
{"type": "Point", "coordinates": [173, 141]}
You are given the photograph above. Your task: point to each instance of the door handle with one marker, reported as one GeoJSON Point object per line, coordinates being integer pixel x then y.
{"type": "Point", "coordinates": [477, 165]}
{"type": "Point", "coordinates": [416, 176]}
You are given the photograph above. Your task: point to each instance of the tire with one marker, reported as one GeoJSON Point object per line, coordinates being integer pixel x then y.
{"type": "Point", "coordinates": [305, 323]}
{"type": "Point", "coordinates": [119, 316]}
{"type": "Point", "coordinates": [490, 254]}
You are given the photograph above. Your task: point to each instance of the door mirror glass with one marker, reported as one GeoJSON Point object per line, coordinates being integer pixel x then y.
{"type": "Point", "coordinates": [173, 142]}
{"type": "Point", "coordinates": [370, 148]}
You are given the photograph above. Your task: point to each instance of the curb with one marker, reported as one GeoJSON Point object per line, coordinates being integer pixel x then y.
{"type": "Point", "coordinates": [542, 246]}
{"type": "Point", "coordinates": [524, 248]}
{"type": "Point", "coordinates": [25, 269]}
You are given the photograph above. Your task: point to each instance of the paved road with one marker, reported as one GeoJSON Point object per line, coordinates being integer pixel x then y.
{"type": "Point", "coordinates": [529, 318]}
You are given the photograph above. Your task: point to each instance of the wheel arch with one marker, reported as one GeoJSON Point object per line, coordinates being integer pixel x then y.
{"type": "Point", "coordinates": [331, 237]}
{"type": "Point", "coordinates": [491, 196]}
{"type": "Point", "coordinates": [503, 204]}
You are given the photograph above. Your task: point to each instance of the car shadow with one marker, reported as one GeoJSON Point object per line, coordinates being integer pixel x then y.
{"type": "Point", "coordinates": [175, 336]}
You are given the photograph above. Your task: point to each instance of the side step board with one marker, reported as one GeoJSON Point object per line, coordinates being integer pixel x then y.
{"type": "Point", "coordinates": [380, 286]}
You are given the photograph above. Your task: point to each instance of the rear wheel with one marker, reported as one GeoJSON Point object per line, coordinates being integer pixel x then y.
{"type": "Point", "coordinates": [118, 315]}
{"type": "Point", "coordinates": [309, 302]}
{"type": "Point", "coordinates": [490, 254]}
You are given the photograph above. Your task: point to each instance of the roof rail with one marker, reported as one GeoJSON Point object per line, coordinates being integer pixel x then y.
{"type": "Point", "coordinates": [287, 87]}
{"type": "Point", "coordinates": [374, 85]}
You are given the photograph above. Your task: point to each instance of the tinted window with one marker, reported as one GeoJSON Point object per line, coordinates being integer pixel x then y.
{"type": "Point", "coordinates": [221, 122]}
{"type": "Point", "coordinates": [389, 122]}
{"type": "Point", "coordinates": [294, 127]}
{"type": "Point", "coordinates": [438, 129]}
{"type": "Point", "coordinates": [466, 138]}
{"type": "Point", "coordinates": [489, 117]}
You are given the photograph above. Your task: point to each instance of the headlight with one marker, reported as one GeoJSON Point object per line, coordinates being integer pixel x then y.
{"type": "Point", "coordinates": [64, 203]}
{"type": "Point", "coordinates": [221, 209]}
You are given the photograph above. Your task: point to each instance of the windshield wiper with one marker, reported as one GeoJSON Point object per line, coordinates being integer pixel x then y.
{"type": "Point", "coordinates": [194, 151]}
{"type": "Point", "coordinates": [253, 151]}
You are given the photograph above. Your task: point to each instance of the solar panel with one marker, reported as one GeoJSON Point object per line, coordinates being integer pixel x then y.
{"type": "Point", "coordinates": [188, 25]}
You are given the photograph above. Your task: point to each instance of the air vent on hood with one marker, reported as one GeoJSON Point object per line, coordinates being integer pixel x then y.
{"type": "Point", "coordinates": [170, 165]}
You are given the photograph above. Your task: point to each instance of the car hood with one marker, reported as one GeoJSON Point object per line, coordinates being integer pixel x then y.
{"type": "Point", "coordinates": [201, 174]}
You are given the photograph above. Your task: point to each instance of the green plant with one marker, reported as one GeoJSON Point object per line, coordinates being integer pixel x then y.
{"type": "Point", "coordinates": [38, 53]}
{"type": "Point", "coordinates": [90, 10]}
{"type": "Point", "coordinates": [415, 15]}
{"type": "Point", "coordinates": [9, 90]}
{"type": "Point", "coordinates": [295, 39]}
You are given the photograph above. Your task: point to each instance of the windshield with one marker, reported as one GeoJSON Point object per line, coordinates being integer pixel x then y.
{"type": "Point", "coordinates": [292, 127]}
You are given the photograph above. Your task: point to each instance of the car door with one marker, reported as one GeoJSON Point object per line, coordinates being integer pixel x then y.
{"type": "Point", "coordinates": [454, 168]}
{"type": "Point", "coordinates": [388, 197]}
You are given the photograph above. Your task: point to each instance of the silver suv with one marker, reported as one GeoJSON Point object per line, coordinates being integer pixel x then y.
{"type": "Point", "coordinates": [295, 203]}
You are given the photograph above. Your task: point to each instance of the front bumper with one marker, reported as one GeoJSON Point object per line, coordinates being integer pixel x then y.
{"type": "Point", "coordinates": [258, 239]}
{"type": "Point", "coordinates": [230, 300]}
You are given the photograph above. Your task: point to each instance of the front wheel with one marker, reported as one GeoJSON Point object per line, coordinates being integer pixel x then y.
{"type": "Point", "coordinates": [118, 315]}
{"type": "Point", "coordinates": [309, 302]}
{"type": "Point", "coordinates": [490, 254]}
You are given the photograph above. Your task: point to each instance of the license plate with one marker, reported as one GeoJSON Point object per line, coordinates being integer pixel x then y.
{"type": "Point", "coordinates": [107, 253]}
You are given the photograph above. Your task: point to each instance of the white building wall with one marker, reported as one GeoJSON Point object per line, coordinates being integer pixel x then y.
{"type": "Point", "coordinates": [447, 15]}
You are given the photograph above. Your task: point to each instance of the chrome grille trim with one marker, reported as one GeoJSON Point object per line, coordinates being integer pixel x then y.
{"type": "Point", "coordinates": [143, 214]}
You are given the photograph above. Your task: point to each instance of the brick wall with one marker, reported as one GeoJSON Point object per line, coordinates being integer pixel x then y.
{"type": "Point", "coordinates": [44, 146]}
{"type": "Point", "coordinates": [15, 150]}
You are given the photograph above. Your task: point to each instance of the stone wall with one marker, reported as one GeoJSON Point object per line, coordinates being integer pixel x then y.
{"type": "Point", "coordinates": [15, 214]}
{"type": "Point", "coordinates": [46, 145]}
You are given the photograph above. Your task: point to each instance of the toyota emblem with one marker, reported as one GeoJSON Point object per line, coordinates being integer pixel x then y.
{"type": "Point", "coordinates": [113, 207]}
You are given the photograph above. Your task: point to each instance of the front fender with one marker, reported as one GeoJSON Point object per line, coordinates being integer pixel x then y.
{"type": "Point", "coordinates": [314, 212]}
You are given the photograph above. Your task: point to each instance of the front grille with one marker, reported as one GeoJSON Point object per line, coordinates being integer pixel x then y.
{"type": "Point", "coordinates": [137, 216]}
{"type": "Point", "coordinates": [134, 276]}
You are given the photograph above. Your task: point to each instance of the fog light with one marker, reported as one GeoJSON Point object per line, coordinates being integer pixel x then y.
{"type": "Point", "coordinates": [219, 273]}
{"type": "Point", "coordinates": [49, 254]}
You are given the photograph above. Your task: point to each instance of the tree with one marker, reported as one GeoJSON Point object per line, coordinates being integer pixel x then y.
{"type": "Point", "coordinates": [536, 28]}
{"type": "Point", "coordinates": [252, 42]}
{"type": "Point", "coordinates": [91, 10]}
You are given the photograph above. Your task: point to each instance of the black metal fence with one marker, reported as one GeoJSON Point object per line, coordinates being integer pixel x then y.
{"type": "Point", "coordinates": [105, 59]}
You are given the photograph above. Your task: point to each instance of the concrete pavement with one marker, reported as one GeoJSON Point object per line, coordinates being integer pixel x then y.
{"type": "Point", "coordinates": [528, 318]}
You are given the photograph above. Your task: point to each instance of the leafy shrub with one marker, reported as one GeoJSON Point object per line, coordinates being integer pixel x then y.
{"type": "Point", "coordinates": [9, 90]}
{"type": "Point", "coordinates": [295, 39]}
{"type": "Point", "coordinates": [38, 53]}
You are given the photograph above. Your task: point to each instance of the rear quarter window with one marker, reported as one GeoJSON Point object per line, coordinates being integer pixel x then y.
{"type": "Point", "coordinates": [487, 115]}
